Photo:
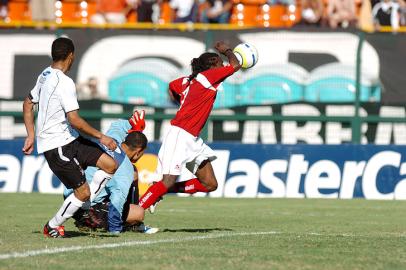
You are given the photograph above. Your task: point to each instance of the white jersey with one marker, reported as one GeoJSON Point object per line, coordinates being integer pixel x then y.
{"type": "Point", "coordinates": [56, 94]}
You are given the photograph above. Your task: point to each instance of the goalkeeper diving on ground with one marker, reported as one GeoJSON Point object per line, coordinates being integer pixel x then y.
{"type": "Point", "coordinates": [116, 208]}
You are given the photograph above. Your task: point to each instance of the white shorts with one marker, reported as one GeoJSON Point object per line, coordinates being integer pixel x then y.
{"type": "Point", "coordinates": [181, 149]}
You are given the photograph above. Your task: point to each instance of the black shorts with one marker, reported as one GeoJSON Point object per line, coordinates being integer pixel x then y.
{"type": "Point", "coordinates": [68, 162]}
{"type": "Point", "coordinates": [132, 198]}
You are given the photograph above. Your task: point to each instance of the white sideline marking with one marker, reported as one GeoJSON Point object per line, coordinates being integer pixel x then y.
{"type": "Point", "coordinates": [125, 244]}
{"type": "Point", "coordinates": [38, 252]}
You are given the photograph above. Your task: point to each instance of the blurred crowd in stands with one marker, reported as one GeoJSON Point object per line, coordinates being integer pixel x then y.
{"type": "Point", "coordinates": [265, 13]}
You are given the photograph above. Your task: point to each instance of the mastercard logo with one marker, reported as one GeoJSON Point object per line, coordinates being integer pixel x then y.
{"type": "Point", "coordinates": [146, 167]}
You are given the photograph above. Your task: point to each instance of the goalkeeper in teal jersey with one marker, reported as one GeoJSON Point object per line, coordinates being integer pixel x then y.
{"type": "Point", "coordinates": [116, 207]}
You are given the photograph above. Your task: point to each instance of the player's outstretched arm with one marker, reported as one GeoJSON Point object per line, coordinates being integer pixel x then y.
{"type": "Point", "coordinates": [82, 126]}
{"type": "Point", "coordinates": [121, 128]}
{"type": "Point", "coordinates": [224, 49]}
{"type": "Point", "coordinates": [28, 113]}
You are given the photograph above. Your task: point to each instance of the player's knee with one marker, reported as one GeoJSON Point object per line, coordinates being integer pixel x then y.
{"type": "Point", "coordinates": [111, 167]}
{"type": "Point", "coordinates": [212, 185]}
{"type": "Point", "coordinates": [169, 180]}
{"type": "Point", "coordinates": [85, 196]}
{"type": "Point", "coordinates": [107, 164]}
{"type": "Point", "coordinates": [83, 193]}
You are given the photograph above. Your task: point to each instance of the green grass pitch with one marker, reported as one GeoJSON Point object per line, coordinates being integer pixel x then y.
{"type": "Point", "coordinates": [204, 233]}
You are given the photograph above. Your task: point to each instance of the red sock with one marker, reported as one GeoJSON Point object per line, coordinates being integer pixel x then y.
{"type": "Point", "coordinates": [190, 186]}
{"type": "Point", "coordinates": [152, 194]}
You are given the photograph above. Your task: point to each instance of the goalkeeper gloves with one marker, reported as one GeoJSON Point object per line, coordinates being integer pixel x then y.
{"type": "Point", "coordinates": [137, 121]}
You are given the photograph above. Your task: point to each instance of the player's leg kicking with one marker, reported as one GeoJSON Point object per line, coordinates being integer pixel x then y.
{"type": "Point", "coordinates": [180, 149]}
{"type": "Point", "coordinates": [68, 163]}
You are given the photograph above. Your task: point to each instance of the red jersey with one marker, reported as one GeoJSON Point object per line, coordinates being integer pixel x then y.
{"type": "Point", "coordinates": [197, 97]}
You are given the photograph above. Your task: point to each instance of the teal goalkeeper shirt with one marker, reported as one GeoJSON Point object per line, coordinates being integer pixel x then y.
{"type": "Point", "coordinates": [116, 190]}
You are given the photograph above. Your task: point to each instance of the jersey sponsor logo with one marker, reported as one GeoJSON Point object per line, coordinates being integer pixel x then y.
{"type": "Point", "coordinates": [43, 78]}
{"type": "Point", "coordinates": [46, 73]}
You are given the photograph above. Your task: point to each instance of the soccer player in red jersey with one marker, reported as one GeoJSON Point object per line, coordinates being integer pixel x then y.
{"type": "Point", "coordinates": [182, 145]}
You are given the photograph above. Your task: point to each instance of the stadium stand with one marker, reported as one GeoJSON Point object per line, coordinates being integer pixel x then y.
{"type": "Point", "coordinates": [282, 83]}
{"type": "Point", "coordinates": [278, 83]}
{"type": "Point", "coordinates": [336, 83]}
{"type": "Point", "coordinates": [245, 13]}
{"type": "Point", "coordinates": [138, 82]}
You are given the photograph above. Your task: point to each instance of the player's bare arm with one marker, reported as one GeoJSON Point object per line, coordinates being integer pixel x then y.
{"type": "Point", "coordinates": [28, 112]}
{"type": "Point", "coordinates": [82, 126]}
{"type": "Point", "coordinates": [225, 49]}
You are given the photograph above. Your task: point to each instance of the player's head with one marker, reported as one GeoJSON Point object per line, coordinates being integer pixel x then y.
{"type": "Point", "coordinates": [135, 143]}
{"type": "Point", "coordinates": [63, 50]}
{"type": "Point", "coordinates": [204, 62]}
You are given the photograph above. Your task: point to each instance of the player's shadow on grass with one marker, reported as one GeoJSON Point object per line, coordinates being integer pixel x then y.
{"type": "Point", "coordinates": [206, 230]}
{"type": "Point", "coordinates": [72, 234]}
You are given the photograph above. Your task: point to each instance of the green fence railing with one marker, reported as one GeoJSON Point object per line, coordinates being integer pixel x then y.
{"type": "Point", "coordinates": [355, 121]}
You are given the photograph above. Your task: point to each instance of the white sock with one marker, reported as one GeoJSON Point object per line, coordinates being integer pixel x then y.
{"type": "Point", "coordinates": [99, 181]}
{"type": "Point", "coordinates": [68, 208]}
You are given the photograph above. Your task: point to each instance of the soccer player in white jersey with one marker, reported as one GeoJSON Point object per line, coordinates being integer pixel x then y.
{"type": "Point", "coordinates": [57, 131]}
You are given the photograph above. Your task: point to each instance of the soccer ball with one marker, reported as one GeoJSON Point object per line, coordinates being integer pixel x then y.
{"type": "Point", "coordinates": [246, 54]}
